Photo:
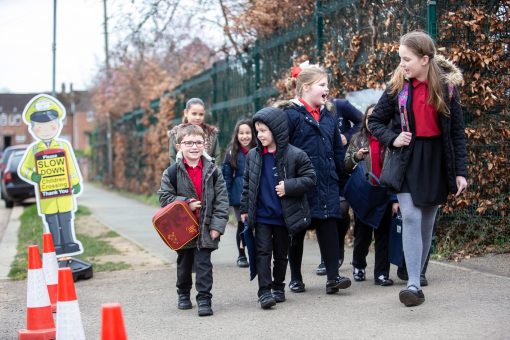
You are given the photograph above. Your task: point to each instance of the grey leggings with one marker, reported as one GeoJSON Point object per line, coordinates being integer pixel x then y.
{"type": "Point", "coordinates": [417, 226]}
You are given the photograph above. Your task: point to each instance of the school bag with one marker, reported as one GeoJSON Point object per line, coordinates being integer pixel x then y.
{"type": "Point", "coordinates": [175, 223]}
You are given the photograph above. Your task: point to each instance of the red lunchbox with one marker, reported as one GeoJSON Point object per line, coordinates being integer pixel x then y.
{"type": "Point", "coordinates": [176, 224]}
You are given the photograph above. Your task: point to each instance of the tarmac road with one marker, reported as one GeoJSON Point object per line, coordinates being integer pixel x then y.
{"type": "Point", "coordinates": [461, 303]}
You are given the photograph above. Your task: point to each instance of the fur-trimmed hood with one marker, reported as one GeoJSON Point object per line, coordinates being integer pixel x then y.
{"type": "Point", "coordinates": [283, 104]}
{"type": "Point", "coordinates": [451, 73]}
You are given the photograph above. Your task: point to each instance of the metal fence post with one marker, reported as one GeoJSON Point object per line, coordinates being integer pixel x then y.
{"type": "Point", "coordinates": [256, 59]}
{"type": "Point", "coordinates": [320, 30]}
{"type": "Point", "coordinates": [431, 19]}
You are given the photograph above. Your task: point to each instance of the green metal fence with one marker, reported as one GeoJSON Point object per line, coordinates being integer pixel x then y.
{"type": "Point", "coordinates": [237, 87]}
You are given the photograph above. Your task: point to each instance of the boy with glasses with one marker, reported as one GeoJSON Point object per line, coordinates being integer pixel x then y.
{"type": "Point", "coordinates": [195, 179]}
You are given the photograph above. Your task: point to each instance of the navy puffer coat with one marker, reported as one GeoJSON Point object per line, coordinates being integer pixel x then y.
{"type": "Point", "coordinates": [322, 143]}
{"type": "Point", "coordinates": [234, 177]}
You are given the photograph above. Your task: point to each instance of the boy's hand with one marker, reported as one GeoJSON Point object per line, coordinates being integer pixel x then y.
{"type": "Point", "coordinates": [194, 205]}
{"type": "Point", "coordinates": [214, 234]}
{"type": "Point", "coordinates": [244, 217]}
{"type": "Point", "coordinates": [280, 189]}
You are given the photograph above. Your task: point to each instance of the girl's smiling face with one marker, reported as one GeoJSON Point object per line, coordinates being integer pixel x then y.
{"type": "Point", "coordinates": [413, 65]}
{"type": "Point", "coordinates": [244, 135]}
{"type": "Point", "coordinates": [195, 114]}
{"type": "Point", "coordinates": [316, 94]}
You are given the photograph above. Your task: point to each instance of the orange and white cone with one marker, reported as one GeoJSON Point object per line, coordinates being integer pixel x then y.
{"type": "Point", "coordinates": [112, 323]}
{"type": "Point", "coordinates": [69, 325]}
{"type": "Point", "coordinates": [50, 269]}
{"type": "Point", "coordinates": [40, 324]}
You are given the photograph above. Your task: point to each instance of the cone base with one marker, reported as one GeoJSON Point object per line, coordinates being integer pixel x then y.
{"type": "Point", "coordinates": [40, 334]}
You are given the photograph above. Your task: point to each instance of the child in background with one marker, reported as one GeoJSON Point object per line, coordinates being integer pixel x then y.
{"type": "Point", "coordinates": [365, 148]}
{"type": "Point", "coordinates": [276, 180]}
{"type": "Point", "coordinates": [199, 183]}
{"type": "Point", "coordinates": [233, 170]}
{"type": "Point", "coordinates": [194, 113]}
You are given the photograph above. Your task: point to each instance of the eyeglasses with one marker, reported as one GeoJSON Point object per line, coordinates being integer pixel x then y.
{"type": "Point", "coordinates": [189, 143]}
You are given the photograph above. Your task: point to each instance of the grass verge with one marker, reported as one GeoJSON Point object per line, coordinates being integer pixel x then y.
{"type": "Point", "coordinates": [30, 233]}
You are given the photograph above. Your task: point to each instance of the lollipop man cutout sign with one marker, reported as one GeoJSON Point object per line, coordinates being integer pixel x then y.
{"type": "Point", "coordinates": [50, 165]}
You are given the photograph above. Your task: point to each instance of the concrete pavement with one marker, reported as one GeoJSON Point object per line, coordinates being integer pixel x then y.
{"type": "Point", "coordinates": [461, 303]}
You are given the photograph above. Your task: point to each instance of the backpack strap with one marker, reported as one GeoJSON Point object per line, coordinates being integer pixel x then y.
{"type": "Point", "coordinates": [172, 174]}
{"type": "Point", "coordinates": [403, 96]}
{"type": "Point", "coordinates": [451, 89]}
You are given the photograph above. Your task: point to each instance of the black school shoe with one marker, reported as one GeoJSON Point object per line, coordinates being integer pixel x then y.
{"type": "Point", "coordinates": [321, 269]}
{"type": "Point", "coordinates": [204, 308]}
{"type": "Point", "coordinates": [183, 301]}
{"type": "Point", "coordinates": [267, 300]}
{"type": "Point", "coordinates": [242, 262]}
{"type": "Point", "coordinates": [297, 286]}
{"type": "Point", "coordinates": [383, 281]}
{"type": "Point", "coordinates": [411, 297]}
{"type": "Point", "coordinates": [279, 295]}
{"type": "Point", "coordinates": [332, 286]}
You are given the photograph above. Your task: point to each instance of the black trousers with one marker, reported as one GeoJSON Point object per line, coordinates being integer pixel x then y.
{"type": "Point", "coordinates": [327, 237]}
{"type": "Point", "coordinates": [271, 241]}
{"type": "Point", "coordinates": [363, 239]}
{"type": "Point", "coordinates": [343, 226]}
{"type": "Point", "coordinates": [201, 258]}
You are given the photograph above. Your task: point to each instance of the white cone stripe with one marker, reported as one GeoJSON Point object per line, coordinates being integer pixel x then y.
{"type": "Point", "coordinates": [69, 325]}
{"type": "Point", "coordinates": [50, 268]}
{"type": "Point", "coordinates": [37, 292]}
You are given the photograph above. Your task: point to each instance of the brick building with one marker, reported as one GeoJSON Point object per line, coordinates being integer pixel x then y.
{"type": "Point", "coordinates": [79, 121]}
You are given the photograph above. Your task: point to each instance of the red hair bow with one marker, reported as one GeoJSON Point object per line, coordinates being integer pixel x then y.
{"type": "Point", "coordinates": [295, 71]}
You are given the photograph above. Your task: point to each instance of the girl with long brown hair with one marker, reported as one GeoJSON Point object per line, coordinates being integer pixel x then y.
{"type": "Point", "coordinates": [427, 127]}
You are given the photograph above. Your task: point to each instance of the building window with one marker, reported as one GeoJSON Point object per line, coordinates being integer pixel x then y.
{"type": "Point", "coordinates": [90, 116]}
{"type": "Point", "coordinates": [21, 138]}
{"type": "Point", "coordinates": [14, 119]}
{"type": "Point", "coordinates": [3, 119]}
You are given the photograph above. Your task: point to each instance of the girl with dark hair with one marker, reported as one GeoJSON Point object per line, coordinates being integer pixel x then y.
{"type": "Point", "coordinates": [233, 170]}
{"type": "Point", "coordinates": [366, 149]}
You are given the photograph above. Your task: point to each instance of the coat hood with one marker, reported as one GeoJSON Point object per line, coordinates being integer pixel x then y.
{"type": "Point", "coordinates": [276, 121]}
{"type": "Point", "coordinates": [451, 73]}
{"type": "Point", "coordinates": [283, 104]}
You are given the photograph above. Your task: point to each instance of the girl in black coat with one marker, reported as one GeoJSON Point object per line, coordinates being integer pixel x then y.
{"type": "Point", "coordinates": [428, 128]}
{"type": "Point", "coordinates": [233, 170]}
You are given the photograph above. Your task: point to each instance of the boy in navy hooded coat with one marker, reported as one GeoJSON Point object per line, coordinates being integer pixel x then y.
{"type": "Point", "coordinates": [276, 179]}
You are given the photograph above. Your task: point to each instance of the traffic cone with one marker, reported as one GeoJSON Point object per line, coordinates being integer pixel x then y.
{"type": "Point", "coordinates": [40, 324]}
{"type": "Point", "coordinates": [50, 269]}
{"type": "Point", "coordinates": [112, 323]}
{"type": "Point", "coordinates": [69, 324]}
